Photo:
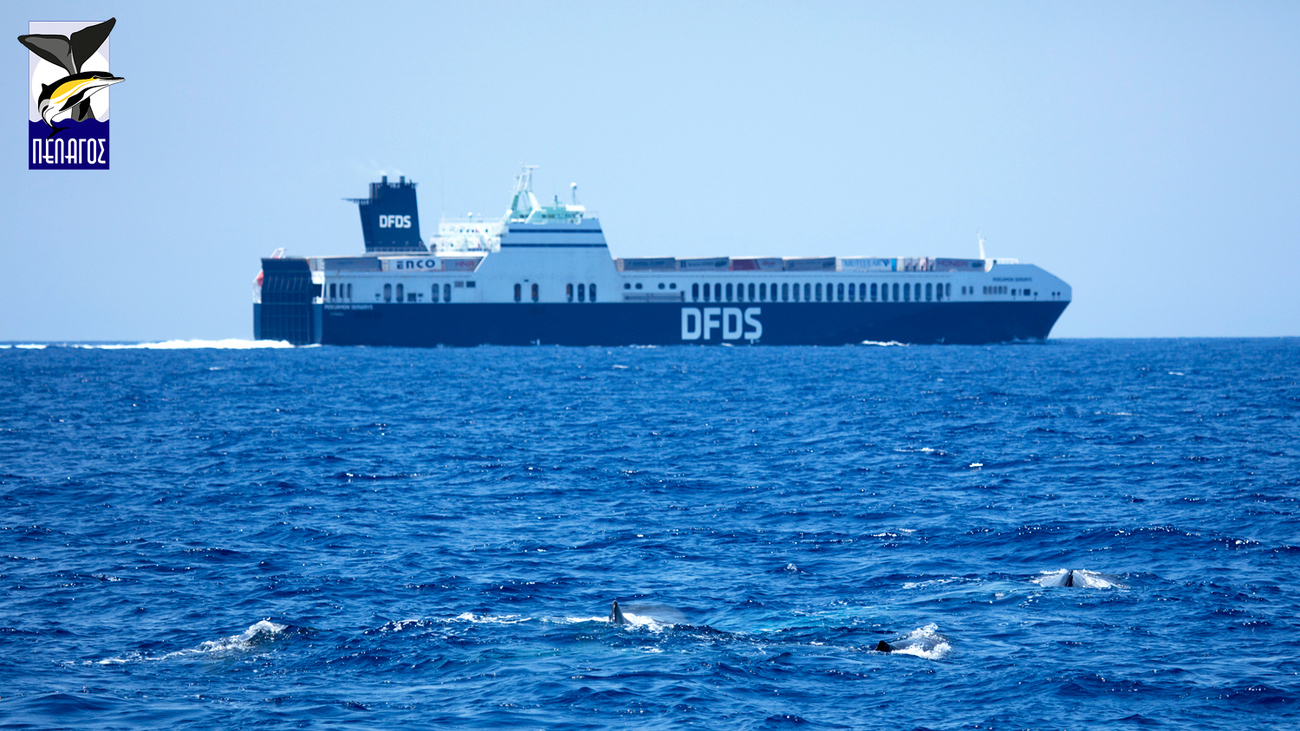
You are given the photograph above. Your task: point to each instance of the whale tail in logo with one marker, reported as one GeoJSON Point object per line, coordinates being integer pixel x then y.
{"type": "Point", "coordinates": [69, 97]}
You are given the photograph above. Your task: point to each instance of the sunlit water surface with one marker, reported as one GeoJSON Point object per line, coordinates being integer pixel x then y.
{"type": "Point", "coordinates": [213, 535]}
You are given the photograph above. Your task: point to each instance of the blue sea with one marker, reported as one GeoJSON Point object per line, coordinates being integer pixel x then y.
{"type": "Point", "coordinates": [230, 537]}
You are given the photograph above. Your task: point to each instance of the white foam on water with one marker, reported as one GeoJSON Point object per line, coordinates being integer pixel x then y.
{"type": "Point", "coordinates": [259, 633]}
{"type": "Point", "coordinates": [634, 621]}
{"type": "Point", "coordinates": [227, 344]}
{"type": "Point", "coordinates": [643, 622]}
{"type": "Point", "coordinates": [404, 624]}
{"type": "Point", "coordinates": [490, 618]}
{"type": "Point", "coordinates": [884, 344]}
{"type": "Point", "coordinates": [576, 620]}
{"type": "Point", "coordinates": [928, 583]}
{"type": "Point", "coordinates": [924, 642]}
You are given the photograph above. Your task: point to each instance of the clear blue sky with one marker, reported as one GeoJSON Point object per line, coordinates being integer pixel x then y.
{"type": "Point", "coordinates": [1148, 153]}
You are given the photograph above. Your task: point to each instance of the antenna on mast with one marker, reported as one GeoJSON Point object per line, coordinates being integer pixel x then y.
{"type": "Point", "coordinates": [573, 192]}
{"type": "Point", "coordinates": [523, 203]}
{"type": "Point", "coordinates": [980, 236]}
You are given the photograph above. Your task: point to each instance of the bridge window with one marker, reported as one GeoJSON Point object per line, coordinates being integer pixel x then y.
{"type": "Point", "coordinates": [672, 285]}
{"type": "Point", "coordinates": [947, 290]}
{"type": "Point", "coordinates": [852, 291]}
{"type": "Point", "coordinates": [661, 285]}
{"type": "Point", "coordinates": [446, 292]}
{"type": "Point", "coordinates": [331, 290]}
{"type": "Point", "coordinates": [762, 291]}
{"type": "Point", "coordinates": [400, 296]}
{"type": "Point", "coordinates": [638, 285]}
{"type": "Point", "coordinates": [519, 295]}
{"type": "Point", "coordinates": [728, 292]}
{"type": "Point", "coordinates": [818, 289]}
{"type": "Point", "coordinates": [717, 292]}
{"type": "Point", "coordinates": [928, 288]}
{"type": "Point", "coordinates": [873, 292]}
{"type": "Point", "coordinates": [708, 291]}
{"type": "Point", "coordinates": [938, 292]}
{"type": "Point", "coordinates": [695, 292]}
{"type": "Point", "coordinates": [388, 293]}
{"type": "Point", "coordinates": [591, 288]}
{"type": "Point", "coordinates": [535, 291]}
{"type": "Point", "coordinates": [568, 291]}
{"type": "Point", "coordinates": [751, 291]}
{"type": "Point", "coordinates": [794, 293]}
{"type": "Point", "coordinates": [349, 290]}
{"type": "Point", "coordinates": [627, 285]}
{"type": "Point", "coordinates": [435, 292]}
{"type": "Point", "coordinates": [582, 293]}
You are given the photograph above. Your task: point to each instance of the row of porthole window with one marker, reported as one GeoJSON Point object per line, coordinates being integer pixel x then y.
{"type": "Point", "coordinates": [519, 292]}
{"type": "Point", "coordinates": [340, 291]}
{"type": "Point", "coordinates": [1002, 289]}
{"type": "Point", "coordinates": [670, 285]}
{"type": "Point", "coordinates": [586, 292]}
{"type": "Point", "coordinates": [810, 292]}
{"type": "Point", "coordinates": [403, 295]}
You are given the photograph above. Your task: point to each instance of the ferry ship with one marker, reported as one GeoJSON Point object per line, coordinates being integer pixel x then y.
{"type": "Point", "coordinates": [544, 274]}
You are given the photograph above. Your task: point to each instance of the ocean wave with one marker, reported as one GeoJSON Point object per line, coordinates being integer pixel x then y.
{"type": "Point", "coordinates": [258, 634]}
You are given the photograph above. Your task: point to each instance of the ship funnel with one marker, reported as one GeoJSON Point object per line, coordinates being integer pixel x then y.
{"type": "Point", "coordinates": [390, 219]}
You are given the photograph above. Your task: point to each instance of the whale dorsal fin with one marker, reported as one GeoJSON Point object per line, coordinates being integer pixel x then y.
{"type": "Point", "coordinates": [883, 646]}
{"type": "Point", "coordinates": [616, 614]}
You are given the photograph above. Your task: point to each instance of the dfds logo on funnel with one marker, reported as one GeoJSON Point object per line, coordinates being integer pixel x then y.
{"type": "Point", "coordinates": [67, 107]}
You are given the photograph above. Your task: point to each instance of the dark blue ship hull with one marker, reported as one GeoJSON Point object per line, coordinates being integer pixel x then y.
{"type": "Point", "coordinates": [639, 323]}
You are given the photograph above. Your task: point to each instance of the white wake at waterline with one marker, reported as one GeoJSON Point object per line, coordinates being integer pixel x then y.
{"type": "Point", "coordinates": [227, 344]}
